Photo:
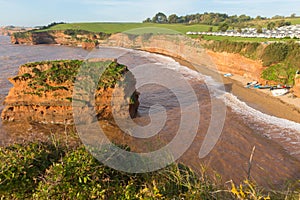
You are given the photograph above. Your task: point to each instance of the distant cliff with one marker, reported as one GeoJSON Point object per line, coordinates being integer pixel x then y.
{"type": "Point", "coordinates": [42, 92]}
{"type": "Point", "coordinates": [9, 30]}
{"type": "Point", "coordinates": [85, 39]}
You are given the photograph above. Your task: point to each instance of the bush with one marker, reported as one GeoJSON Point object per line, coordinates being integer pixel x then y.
{"type": "Point", "coordinates": [22, 165]}
{"type": "Point", "coordinates": [275, 53]}
{"type": "Point", "coordinates": [54, 171]}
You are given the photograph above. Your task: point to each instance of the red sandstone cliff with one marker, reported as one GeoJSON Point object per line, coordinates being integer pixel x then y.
{"type": "Point", "coordinates": [87, 40]}
{"type": "Point", "coordinates": [38, 104]}
{"type": "Point", "coordinates": [296, 88]}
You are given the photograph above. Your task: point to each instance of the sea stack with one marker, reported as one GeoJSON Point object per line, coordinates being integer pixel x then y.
{"type": "Point", "coordinates": [42, 92]}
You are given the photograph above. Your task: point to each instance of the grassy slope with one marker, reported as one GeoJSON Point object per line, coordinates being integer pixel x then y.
{"type": "Point", "coordinates": [51, 170]}
{"type": "Point", "coordinates": [121, 27]}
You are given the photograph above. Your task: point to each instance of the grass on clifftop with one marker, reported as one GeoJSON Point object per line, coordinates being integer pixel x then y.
{"type": "Point", "coordinates": [121, 27]}
{"type": "Point", "coordinates": [62, 72]}
{"type": "Point", "coordinates": [54, 170]}
{"type": "Point", "coordinates": [110, 28]}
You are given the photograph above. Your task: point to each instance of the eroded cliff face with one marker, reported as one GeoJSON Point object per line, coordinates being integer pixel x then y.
{"type": "Point", "coordinates": [296, 88]}
{"type": "Point", "coordinates": [191, 51]}
{"type": "Point", "coordinates": [87, 40]}
{"type": "Point", "coordinates": [38, 97]}
{"type": "Point", "coordinates": [237, 64]}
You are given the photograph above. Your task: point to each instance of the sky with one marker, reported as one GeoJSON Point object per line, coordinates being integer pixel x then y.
{"type": "Point", "coordinates": [43, 12]}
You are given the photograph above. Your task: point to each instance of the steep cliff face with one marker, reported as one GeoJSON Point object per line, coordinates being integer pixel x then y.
{"type": "Point", "coordinates": [87, 40]}
{"type": "Point", "coordinates": [296, 88]}
{"type": "Point", "coordinates": [191, 51]}
{"type": "Point", "coordinates": [237, 64]}
{"type": "Point", "coordinates": [42, 92]}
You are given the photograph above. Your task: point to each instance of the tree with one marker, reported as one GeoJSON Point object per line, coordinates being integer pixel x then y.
{"type": "Point", "coordinates": [258, 17]}
{"type": "Point", "coordinates": [223, 27]}
{"type": "Point", "coordinates": [271, 26]}
{"type": "Point", "coordinates": [278, 17]}
{"type": "Point", "coordinates": [148, 20]}
{"type": "Point", "coordinates": [173, 19]}
{"type": "Point", "coordinates": [210, 29]}
{"type": "Point", "coordinates": [244, 18]}
{"type": "Point", "coordinates": [293, 15]}
{"type": "Point", "coordinates": [259, 29]}
{"type": "Point", "coordinates": [282, 23]}
{"type": "Point", "coordinates": [160, 18]}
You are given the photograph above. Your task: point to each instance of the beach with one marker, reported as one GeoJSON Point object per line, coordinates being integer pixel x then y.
{"type": "Point", "coordinates": [286, 107]}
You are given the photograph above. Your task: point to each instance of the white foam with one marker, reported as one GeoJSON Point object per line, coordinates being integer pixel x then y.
{"type": "Point", "coordinates": [243, 109]}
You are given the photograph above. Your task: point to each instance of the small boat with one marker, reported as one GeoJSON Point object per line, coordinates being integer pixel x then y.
{"type": "Point", "coordinates": [228, 75]}
{"type": "Point", "coordinates": [251, 84]}
{"type": "Point", "coordinates": [279, 91]}
{"type": "Point", "coordinates": [256, 86]}
{"type": "Point", "coordinates": [264, 87]}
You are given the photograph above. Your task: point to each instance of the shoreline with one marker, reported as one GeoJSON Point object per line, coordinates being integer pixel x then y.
{"type": "Point", "coordinates": [284, 107]}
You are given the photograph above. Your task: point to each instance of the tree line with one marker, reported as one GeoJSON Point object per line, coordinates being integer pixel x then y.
{"type": "Point", "coordinates": [216, 19]}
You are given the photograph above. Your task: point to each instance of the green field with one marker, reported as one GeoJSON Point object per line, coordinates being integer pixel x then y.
{"type": "Point", "coordinates": [121, 27]}
{"type": "Point", "coordinates": [139, 28]}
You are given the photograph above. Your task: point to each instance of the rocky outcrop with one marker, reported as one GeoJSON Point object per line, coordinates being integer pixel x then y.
{"type": "Point", "coordinates": [42, 92]}
{"type": "Point", "coordinates": [296, 88]}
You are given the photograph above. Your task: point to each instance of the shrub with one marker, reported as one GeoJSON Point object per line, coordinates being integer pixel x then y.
{"type": "Point", "coordinates": [274, 53]}
{"type": "Point", "coordinates": [23, 165]}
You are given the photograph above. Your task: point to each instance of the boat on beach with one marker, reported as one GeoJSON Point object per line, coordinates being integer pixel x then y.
{"type": "Point", "coordinates": [228, 75]}
{"type": "Point", "coordinates": [264, 87]}
{"type": "Point", "coordinates": [251, 84]}
{"type": "Point", "coordinates": [279, 91]}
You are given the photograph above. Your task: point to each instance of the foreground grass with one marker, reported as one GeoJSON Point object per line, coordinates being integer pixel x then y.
{"type": "Point", "coordinates": [54, 170]}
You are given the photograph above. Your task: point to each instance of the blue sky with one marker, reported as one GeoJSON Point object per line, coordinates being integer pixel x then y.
{"type": "Point", "coordinates": [43, 12]}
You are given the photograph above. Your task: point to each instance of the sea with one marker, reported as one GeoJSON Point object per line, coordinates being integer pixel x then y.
{"type": "Point", "coordinates": [173, 98]}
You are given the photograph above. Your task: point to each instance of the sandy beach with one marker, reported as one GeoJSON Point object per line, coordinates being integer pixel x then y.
{"type": "Point", "coordinates": [287, 107]}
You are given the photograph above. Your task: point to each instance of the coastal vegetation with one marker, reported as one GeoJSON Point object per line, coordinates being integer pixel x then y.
{"type": "Point", "coordinates": [281, 60]}
{"type": "Point", "coordinates": [62, 72]}
{"type": "Point", "coordinates": [57, 170]}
